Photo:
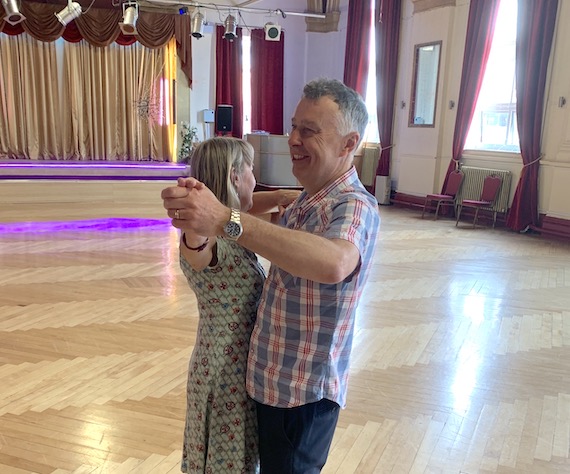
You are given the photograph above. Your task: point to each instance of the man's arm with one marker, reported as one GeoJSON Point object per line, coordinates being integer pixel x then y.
{"type": "Point", "coordinates": [300, 253]}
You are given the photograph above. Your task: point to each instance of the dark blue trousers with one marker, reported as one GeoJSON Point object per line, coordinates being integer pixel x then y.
{"type": "Point", "coordinates": [296, 440]}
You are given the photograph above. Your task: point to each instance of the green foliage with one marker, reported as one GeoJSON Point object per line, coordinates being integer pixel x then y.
{"type": "Point", "coordinates": [188, 136]}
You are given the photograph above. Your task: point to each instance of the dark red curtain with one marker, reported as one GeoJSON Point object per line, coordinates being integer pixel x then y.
{"type": "Point", "coordinates": [535, 29]}
{"type": "Point", "coordinates": [229, 77]}
{"type": "Point", "coordinates": [356, 62]}
{"type": "Point", "coordinates": [267, 82]}
{"type": "Point", "coordinates": [479, 38]}
{"type": "Point", "coordinates": [387, 31]}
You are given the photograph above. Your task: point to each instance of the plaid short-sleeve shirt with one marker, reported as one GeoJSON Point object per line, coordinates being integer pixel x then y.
{"type": "Point", "coordinates": [301, 342]}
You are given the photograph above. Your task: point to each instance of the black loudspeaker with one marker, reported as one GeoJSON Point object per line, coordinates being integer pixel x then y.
{"type": "Point", "coordinates": [224, 114]}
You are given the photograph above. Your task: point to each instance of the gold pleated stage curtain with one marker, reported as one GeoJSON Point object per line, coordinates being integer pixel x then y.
{"type": "Point", "coordinates": [112, 103]}
{"type": "Point", "coordinates": [120, 102]}
{"type": "Point", "coordinates": [90, 97]}
{"type": "Point", "coordinates": [30, 109]}
{"type": "Point", "coordinates": [100, 27]}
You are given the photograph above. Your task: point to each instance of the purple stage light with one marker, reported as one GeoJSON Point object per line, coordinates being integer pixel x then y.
{"type": "Point", "coordinates": [93, 170]}
{"type": "Point", "coordinates": [114, 224]}
{"type": "Point", "coordinates": [92, 165]}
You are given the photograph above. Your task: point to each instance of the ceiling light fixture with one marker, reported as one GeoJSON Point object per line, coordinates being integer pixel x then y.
{"type": "Point", "coordinates": [230, 25]}
{"type": "Point", "coordinates": [130, 15]}
{"type": "Point", "coordinates": [69, 13]}
{"type": "Point", "coordinates": [197, 25]}
{"type": "Point", "coordinates": [13, 15]}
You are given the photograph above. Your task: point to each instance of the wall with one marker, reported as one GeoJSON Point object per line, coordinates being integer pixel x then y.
{"type": "Point", "coordinates": [304, 60]}
{"type": "Point", "coordinates": [416, 155]}
{"type": "Point", "coordinates": [554, 189]}
{"type": "Point", "coordinates": [421, 155]}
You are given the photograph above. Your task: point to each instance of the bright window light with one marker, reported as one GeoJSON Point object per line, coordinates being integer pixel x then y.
{"type": "Point", "coordinates": [246, 86]}
{"type": "Point", "coordinates": [371, 135]}
{"type": "Point", "coordinates": [494, 124]}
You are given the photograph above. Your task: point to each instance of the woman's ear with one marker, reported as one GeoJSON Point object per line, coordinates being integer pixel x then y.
{"type": "Point", "coordinates": [234, 177]}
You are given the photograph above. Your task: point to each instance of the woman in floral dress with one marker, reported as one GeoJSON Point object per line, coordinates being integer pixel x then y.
{"type": "Point", "coordinates": [220, 435]}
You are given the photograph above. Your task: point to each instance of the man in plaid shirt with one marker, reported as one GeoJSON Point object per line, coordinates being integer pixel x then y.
{"type": "Point", "coordinates": [320, 259]}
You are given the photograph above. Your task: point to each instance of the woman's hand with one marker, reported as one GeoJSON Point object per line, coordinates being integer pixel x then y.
{"type": "Point", "coordinates": [286, 196]}
{"type": "Point", "coordinates": [269, 202]}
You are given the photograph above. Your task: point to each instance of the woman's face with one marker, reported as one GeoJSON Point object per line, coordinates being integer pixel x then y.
{"type": "Point", "coordinates": [245, 184]}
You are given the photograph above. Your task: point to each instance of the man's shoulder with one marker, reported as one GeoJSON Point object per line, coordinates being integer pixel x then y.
{"type": "Point", "coordinates": [356, 193]}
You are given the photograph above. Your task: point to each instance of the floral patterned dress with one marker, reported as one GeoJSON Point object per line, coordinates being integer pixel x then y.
{"type": "Point", "coordinates": [221, 426]}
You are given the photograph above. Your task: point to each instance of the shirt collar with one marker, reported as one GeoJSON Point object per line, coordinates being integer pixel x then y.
{"type": "Point", "coordinates": [345, 180]}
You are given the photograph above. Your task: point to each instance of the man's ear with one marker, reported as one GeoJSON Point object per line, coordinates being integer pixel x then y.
{"type": "Point", "coordinates": [351, 142]}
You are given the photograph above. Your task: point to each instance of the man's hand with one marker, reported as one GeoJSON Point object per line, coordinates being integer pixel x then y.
{"type": "Point", "coordinates": [194, 208]}
{"type": "Point", "coordinates": [190, 183]}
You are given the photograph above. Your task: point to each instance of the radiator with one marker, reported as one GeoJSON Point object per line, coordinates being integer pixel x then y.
{"type": "Point", "coordinates": [370, 157]}
{"type": "Point", "coordinates": [473, 185]}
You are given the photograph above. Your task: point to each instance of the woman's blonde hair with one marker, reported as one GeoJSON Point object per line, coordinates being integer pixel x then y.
{"type": "Point", "coordinates": [214, 160]}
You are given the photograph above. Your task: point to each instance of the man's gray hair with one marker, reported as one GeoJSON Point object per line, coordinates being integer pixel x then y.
{"type": "Point", "coordinates": [350, 103]}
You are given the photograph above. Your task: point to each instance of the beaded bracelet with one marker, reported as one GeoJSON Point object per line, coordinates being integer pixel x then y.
{"type": "Point", "coordinates": [195, 249]}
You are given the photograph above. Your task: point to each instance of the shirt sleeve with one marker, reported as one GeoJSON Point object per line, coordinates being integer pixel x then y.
{"type": "Point", "coordinates": [350, 219]}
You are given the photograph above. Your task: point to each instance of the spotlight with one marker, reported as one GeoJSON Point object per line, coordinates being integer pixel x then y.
{"type": "Point", "coordinates": [272, 32]}
{"type": "Point", "coordinates": [130, 14]}
{"type": "Point", "coordinates": [183, 10]}
{"type": "Point", "coordinates": [230, 24]}
{"type": "Point", "coordinates": [69, 13]}
{"type": "Point", "coordinates": [197, 25]}
{"type": "Point", "coordinates": [13, 15]}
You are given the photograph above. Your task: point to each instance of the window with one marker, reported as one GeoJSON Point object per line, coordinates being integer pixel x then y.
{"type": "Point", "coordinates": [494, 124]}
{"type": "Point", "coordinates": [246, 84]}
{"type": "Point", "coordinates": [371, 135]}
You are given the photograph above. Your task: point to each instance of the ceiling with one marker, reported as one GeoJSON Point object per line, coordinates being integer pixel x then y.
{"type": "Point", "coordinates": [83, 3]}
{"type": "Point", "coordinates": [117, 3]}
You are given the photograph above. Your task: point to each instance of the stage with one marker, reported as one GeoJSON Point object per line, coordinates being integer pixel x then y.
{"type": "Point", "coordinates": [121, 170]}
{"type": "Point", "coordinates": [44, 190]}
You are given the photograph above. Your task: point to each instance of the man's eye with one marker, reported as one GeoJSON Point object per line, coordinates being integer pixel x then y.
{"type": "Point", "coordinates": [303, 131]}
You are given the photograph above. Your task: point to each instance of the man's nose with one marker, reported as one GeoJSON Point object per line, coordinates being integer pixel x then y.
{"type": "Point", "coordinates": [293, 138]}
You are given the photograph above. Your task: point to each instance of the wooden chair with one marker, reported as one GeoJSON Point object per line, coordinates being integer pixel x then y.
{"type": "Point", "coordinates": [491, 186]}
{"type": "Point", "coordinates": [449, 193]}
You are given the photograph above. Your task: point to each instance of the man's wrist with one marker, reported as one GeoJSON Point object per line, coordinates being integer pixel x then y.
{"type": "Point", "coordinates": [233, 228]}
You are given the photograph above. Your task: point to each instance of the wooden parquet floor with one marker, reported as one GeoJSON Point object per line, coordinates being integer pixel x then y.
{"type": "Point", "coordinates": [461, 355]}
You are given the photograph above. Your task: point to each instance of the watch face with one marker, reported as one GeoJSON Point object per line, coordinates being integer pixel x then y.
{"type": "Point", "coordinates": [233, 230]}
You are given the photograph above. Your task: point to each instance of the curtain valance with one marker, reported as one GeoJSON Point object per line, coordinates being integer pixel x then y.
{"type": "Point", "coordinates": [100, 27]}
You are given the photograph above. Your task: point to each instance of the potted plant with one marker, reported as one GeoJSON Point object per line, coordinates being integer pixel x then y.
{"type": "Point", "coordinates": [189, 139]}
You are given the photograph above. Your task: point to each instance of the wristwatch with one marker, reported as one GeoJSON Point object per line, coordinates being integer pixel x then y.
{"type": "Point", "coordinates": [233, 228]}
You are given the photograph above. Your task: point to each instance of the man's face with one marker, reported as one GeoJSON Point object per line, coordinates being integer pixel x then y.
{"type": "Point", "coordinates": [319, 152]}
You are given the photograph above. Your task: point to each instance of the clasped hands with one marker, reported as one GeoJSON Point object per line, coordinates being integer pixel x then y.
{"type": "Point", "coordinates": [194, 208]}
